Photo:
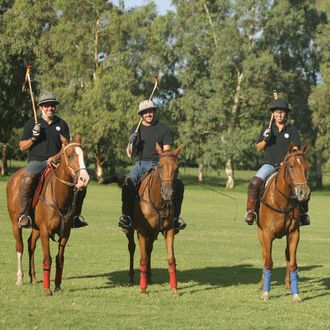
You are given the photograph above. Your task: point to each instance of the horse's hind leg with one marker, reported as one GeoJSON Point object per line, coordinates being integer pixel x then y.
{"type": "Point", "coordinates": [131, 249]}
{"type": "Point", "coordinates": [169, 242]}
{"type": "Point", "coordinates": [150, 245]}
{"type": "Point", "coordinates": [60, 262]}
{"type": "Point", "coordinates": [143, 263]}
{"type": "Point", "coordinates": [32, 241]}
{"type": "Point", "coordinates": [47, 262]}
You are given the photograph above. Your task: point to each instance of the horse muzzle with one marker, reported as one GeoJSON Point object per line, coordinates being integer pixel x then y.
{"type": "Point", "coordinates": [301, 192]}
{"type": "Point", "coordinates": [167, 192]}
{"type": "Point", "coordinates": [82, 179]}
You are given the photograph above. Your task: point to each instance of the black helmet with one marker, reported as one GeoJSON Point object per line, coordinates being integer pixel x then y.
{"type": "Point", "coordinates": [280, 104]}
{"type": "Point", "coordinates": [47, 97]}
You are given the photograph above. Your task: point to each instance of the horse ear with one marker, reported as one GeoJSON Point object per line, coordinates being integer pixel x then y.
{"type": "Point", "coordinates": [178, 149]}
{"type": "Point", "coordinates": [305, 147]}
{"type": "Point", "coordinates": [77, 139]}
{"type": "Point", "coordinates": [159, 149]}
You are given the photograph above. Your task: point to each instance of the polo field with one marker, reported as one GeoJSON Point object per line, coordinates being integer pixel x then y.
{"type": "Point", "coordinates": [219, 267]}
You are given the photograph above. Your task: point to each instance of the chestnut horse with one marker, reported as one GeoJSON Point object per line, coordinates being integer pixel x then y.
{"type": "Point", "coordinates": [153, 213]}
{"type": "Point", "coordinates": [52, 214]}
{"type": "Point", "coordinates": [279, 215]}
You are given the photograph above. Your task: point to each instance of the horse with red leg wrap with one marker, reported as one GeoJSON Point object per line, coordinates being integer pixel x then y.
{"type": "Point", "coordinates": [153, 213]}
{"type": "Point", "coordinates": [53, 213]}
{"type": "Point", "coordinates": [279, 215]}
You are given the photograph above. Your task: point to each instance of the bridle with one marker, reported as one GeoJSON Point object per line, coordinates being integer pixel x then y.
{"type": "Point", "coordinates": [69, 166]}
{"type": "Point", "coordinates": [162, 179]}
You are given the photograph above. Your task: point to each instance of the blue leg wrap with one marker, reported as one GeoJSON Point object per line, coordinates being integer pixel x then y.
{"type": "Point", "coordinates": [294, 282]}
{"type": "Point", "coordinates": [267, 276]}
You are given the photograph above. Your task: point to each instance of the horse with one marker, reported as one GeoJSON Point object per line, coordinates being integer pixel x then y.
{"type": "Point", "coordinates": [279, 215]}
{"type": "Point", "coordinates": [53, 213]}
{"type": "Point", "coordinates": [153, 213]}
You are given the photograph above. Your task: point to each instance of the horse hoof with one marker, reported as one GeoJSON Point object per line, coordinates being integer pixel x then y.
{"type": "Point", "coordinates": [57, 289]}
{"type": "Point", "coordinates": [265, 296]}
{"type": "Point", "coordinates": [131, 281]}
{"type": "Point", "coordinates": [48, 292]}
{"type": "Point", "coordinates": [144, 292]}
{"type": "Point", "coordinates": [296, 298]}
{"type": "Point", "coordinates": [175, 292]}
{"type": "Point", "coordinates": [19, 282]}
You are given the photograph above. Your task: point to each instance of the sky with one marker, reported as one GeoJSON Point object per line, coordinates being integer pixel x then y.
{"type": "Point", "coordinates": [162, 5]}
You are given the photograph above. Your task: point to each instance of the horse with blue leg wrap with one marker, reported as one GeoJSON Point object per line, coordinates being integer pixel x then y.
{"type": "Point", "coordinates": [279, 215]}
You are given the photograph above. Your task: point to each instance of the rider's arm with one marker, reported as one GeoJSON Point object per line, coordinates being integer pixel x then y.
{"type": "Point", "coordinates": [261, 145]}
{"type": "Point", "coordinates": [25, 145]}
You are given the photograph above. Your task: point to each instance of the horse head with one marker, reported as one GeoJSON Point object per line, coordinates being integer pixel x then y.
{"type": "Point", "coordinates": [295, 167]}
{"type": "Point", "coordinates": [168, 170]}
{"type": "Point", "coordinates": [72, 157]}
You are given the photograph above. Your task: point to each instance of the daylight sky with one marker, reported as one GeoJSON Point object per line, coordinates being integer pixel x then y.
{"type": "Point", "coordinates": [162, 5]}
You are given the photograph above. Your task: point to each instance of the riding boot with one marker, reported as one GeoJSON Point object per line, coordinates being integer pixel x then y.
{"type": "Point", "coordinates": [78, 220]}
{"type": "Point", "coordinates": [127, 197]}
{"type": "Point", "coordinates": [179, 224]}
{"type": "Point", "coordinates": [304, 217]}
{"type": "Point", "coordinates": [253, 193]}
{"type": "Point", "coordinates": [26, 191]}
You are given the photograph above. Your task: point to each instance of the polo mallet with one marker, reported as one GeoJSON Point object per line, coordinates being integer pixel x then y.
{"type": "Point", "coordinates": [27, 79]}
{"type": "Point", "coordinates": [272, 117]}
{"type": "Point", "coordinates": [156, 86]}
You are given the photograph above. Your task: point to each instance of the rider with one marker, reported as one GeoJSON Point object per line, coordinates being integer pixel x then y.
{"type": "Point", "coordinates": [274, 141]}
{"type": "Point", "coordinates": [144, 144]}
{"type": "Point", "coordinates": [43, 141]}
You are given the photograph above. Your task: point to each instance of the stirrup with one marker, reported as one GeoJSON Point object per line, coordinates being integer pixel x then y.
{"type": "Point", "coordinates": [79, 222]}
{"type": "Point", "coordinates": [24, 221]}
{"type": "Point", "coordinates": [248, 221]}
{"type": "Point", "coordinates": [125, 223]}
{"type": "Point", "coordinates": [179, 224]}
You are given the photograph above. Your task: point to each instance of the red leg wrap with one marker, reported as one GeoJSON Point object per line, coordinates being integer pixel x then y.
{"type": "Point", "coordinates": [172, 271]}
{"type": "Point", "coordinates": [46, 278]}
{"type": "Point", "coordinates": [58, 276]}
{"type": "Point", "coordinates": [143, 277]}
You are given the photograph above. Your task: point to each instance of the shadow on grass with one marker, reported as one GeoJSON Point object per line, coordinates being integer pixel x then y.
{"type": "Point", "coordinates": [213, 277]}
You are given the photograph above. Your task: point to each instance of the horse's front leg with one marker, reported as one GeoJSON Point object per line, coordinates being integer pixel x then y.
{"type": "Point", "coordinates": [143, 263]}
{"type": "Point", "coordinates": [267, 242]}
{"type": "Point", "coordinates": [32, 242]}
{"type": "Point", "coordinates": [150, 245]}
{"type": "Point", "coordinates": [263, 252]}
{"type": "Point", "coordinates": [293, 240]}
{"type": "Point", "coordinates": [60, 260]}
{"type": "Point", "coordinates": [131, 250]}
{"type": "Point", "coordinates": [19, 253]}
{"type": "Point", "coordinates": [169, 242]}
{"type": "Point", "coordinates": [47, 261]}
{"type": "Point", "coordinates": [287, 259]}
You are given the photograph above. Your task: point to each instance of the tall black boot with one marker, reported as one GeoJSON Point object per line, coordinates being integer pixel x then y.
{"type": "Point", "coordinates": [78, 220]}
{"type": "Point", "coordinates": [304, 217]}
{"type": "Point", "coordinates": [128, 194]}
{"type": "Point", "coordinates": [179, 224]}
{"type": "Point", "coordinates": [253, 193]}
{"type": "Point", "coordinates": [26, 191]}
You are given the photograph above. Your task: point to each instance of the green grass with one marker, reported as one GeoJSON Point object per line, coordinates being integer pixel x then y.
{"type": "Point", "coordinates": [219, 267]}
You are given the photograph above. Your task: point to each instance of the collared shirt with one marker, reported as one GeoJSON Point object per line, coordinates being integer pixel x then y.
{"type": "Point", "coordinates": [277, 147]}
{"type": "Point", "coordinates": [49, 141]}
{"type": "Point", "coordinates": [147, 138]}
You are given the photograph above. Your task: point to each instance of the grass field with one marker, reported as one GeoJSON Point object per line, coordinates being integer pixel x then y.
{"type": "Point", "coordinates": [219, 267]}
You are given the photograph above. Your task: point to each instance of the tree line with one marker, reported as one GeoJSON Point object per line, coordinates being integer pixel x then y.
{"type": "Point", "coordinates": [217, 62]}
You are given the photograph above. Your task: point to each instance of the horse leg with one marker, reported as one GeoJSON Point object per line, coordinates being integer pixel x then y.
{"type": "Point", "coordinates": [143, 264]}
{"type": "Point", "coordinates": [131, 249]}
{"type": "Point", "coordinates": [19, 252]}
{"type": "Point", "coordinates": [287, 259]}
{"type": "Point", "coordinates": [150, 246]}
{"type": "Point", "coordinates": [268, 265]}
{"type": "Point", "coordinates": [263, 251]}
{"type": "Point", "coordinates": [47, 262]}
{"type": "Point", "coordinates": [60, 262]}
{"type": "Point", "coordinates": [169, 242]}
{"type": "Point", "coordinates": [32, 242]}
{"type": "Point", "coordinates": [293, 240]}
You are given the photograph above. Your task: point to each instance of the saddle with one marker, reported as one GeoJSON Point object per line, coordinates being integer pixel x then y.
{"type": "Point", "coordinates": [41, 183]}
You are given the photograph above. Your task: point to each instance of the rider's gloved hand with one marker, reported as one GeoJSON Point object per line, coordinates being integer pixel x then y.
{"type": "Point", "coordinates": [267, 134]}
{"type": "Point", "coordinates": [35, 132]}
{"type": "Point", "coordinates": [132, 138]}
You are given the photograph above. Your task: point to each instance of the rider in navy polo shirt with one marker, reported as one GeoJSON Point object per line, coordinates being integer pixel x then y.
{"type": "Point", "coordinates": [143, 145]}
{"type": "Point", "coordinates": [274, 141]}
{"type": "Point", "coordinates": [43, 141]}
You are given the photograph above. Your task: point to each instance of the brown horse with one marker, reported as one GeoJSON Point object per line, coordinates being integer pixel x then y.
{"type": "Point", "coordinates": [52, 214]}
{"type": "Point", "coordinates": [153, 213]}
{"type": "Point", "coordinates": [279, 215]}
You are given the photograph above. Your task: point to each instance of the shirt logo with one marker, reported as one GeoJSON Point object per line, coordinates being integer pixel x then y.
{"type": "Point", "coordinates": [58, 128]}
{"type": "Point", "coordinates": [286, 135]}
